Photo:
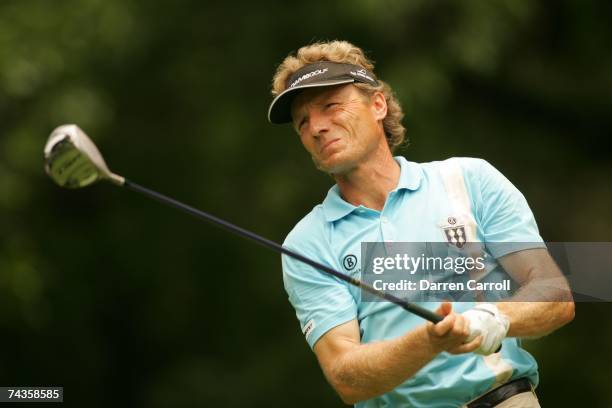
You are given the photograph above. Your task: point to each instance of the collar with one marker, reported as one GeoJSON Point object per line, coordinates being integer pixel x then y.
{"type": "Point", "coordinates": [334, 206]}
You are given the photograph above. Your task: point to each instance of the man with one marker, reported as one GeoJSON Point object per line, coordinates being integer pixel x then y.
{"type": "Point", "coordinates": [375, 353]}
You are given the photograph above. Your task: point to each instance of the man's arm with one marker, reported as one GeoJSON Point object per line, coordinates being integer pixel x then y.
{"type": "Point", "coordinates": [362, 371]}
{"type": "Point", "coordinates": [529, 313]}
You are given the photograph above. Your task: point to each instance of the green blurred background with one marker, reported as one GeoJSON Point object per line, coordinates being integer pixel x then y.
{"type": "Point", "coordinates": [117, 298]}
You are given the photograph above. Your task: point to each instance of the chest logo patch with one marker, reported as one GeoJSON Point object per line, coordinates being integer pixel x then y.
{"type": "Point", "coordinates": [349, 262]}
{"type": "Point", "coordinates": [455, 235]}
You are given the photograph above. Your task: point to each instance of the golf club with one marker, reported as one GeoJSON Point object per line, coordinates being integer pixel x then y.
{"type": "Point", "coordinates": [72, 160]}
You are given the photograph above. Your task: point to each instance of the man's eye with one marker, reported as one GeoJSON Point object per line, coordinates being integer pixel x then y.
{"type": "Point", "coordinates": [329, 105]}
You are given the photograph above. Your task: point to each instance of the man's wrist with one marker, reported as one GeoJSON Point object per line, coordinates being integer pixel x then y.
{"type": "Point", "coordinates": [503, 312]}
{"type": "Point", "coordinates": [430, 346]}
{"type": "Point", "coordinates": [487, 320]}
{"type": "Point", "coordinates": [501, 318]}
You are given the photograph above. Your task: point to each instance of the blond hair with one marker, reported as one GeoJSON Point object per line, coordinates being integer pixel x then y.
{"type": "Point", "coordinates": [344, 52]}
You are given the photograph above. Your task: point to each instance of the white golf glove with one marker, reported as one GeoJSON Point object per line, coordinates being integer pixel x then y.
{"type": "Point", "coordinates": [486, 321]}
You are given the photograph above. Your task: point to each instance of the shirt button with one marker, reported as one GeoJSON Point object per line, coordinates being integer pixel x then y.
{"type": "Point", "coordinates": [384, 220]}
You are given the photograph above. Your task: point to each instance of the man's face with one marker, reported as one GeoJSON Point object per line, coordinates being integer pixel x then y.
{"type": "Point", "coordinates": [339, 126]}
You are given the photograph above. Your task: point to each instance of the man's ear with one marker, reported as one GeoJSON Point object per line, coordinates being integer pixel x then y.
{"type": "Point", "coordinates": [379, 105]}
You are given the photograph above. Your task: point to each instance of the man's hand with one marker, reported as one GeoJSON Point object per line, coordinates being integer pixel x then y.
{"type": "Point", "coordinates": [486, 321]}
{"type": "Point", "coordinates": [452, 334]}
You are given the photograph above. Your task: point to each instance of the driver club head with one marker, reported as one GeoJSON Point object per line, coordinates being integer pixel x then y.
{"type": "Point", "coordinates": [72, 160]}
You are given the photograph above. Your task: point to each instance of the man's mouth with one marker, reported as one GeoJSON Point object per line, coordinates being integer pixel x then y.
{"type": "Point", "coordinates": [326, 145]}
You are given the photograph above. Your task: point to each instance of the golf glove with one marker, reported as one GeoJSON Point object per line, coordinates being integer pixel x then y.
{"type": "Point", "coordinates": [485, 320]}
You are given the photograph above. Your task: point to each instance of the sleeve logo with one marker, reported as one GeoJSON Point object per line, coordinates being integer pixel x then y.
{"type": "Point", "coordinates": [308, 328]}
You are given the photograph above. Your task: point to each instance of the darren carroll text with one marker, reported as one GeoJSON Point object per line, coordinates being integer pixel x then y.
{"type": "Point", "coordinates": [424, 284]}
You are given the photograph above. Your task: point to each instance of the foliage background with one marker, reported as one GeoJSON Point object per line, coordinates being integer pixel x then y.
{"type": "Point", "coordinates": [117, 298]}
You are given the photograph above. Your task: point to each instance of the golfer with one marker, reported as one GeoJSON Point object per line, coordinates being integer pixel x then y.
{"type": "Point", "coordinates": [375, 354]}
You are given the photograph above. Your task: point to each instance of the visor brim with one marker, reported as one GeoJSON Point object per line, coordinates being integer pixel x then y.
{"type": "Point", "coordinates": [280, 108]}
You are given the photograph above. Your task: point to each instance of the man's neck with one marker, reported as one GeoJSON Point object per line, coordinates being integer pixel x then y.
{"type": "Point", "coordinates": [369, 183]}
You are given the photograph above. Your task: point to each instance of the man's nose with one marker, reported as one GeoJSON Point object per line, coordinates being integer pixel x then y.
{"type": "Point", "coordinates": [319, 123]}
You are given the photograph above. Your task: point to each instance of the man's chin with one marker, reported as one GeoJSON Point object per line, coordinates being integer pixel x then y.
{"type": "Point", "coordinates": [334, 165]}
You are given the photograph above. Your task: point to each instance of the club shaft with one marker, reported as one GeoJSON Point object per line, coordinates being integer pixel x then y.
{"type": "Point", "coordinates": [411, 307]}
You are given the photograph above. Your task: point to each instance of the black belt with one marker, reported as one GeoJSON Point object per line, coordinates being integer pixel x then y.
{"type": "Point", "coordinates": [494, 397]}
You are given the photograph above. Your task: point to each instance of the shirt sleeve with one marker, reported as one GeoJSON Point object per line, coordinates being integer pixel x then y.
{"type": "Point", "coordinates": [321, 301]}
{"type": "Point", "coordinates": [507, 223]}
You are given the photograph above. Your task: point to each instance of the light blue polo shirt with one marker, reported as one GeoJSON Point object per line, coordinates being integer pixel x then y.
{"type": "Point", "coordinates": [332, 234]}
